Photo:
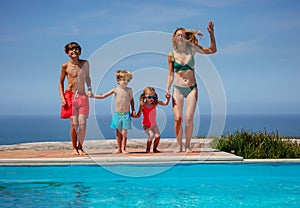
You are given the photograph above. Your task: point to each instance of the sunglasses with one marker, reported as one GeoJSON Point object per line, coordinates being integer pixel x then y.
{"type": "Point", "coordinates": [124, 79]}
{"type": "Point", "coordinates": [151, 97]}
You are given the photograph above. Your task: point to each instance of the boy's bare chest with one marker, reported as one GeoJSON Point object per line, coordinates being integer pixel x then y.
{"type": "Point", "coordinates": [74, 71]}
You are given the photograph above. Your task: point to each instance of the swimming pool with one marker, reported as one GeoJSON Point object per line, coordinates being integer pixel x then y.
{"type": "Point", "coordinates": [193, 185]}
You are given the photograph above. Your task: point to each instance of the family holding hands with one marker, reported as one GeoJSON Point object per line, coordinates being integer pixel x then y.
{"type": "Point", "coordinates": [75, 104]}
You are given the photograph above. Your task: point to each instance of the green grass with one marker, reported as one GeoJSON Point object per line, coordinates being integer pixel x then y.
{"type": "Point", "coordinates": [258, 145]}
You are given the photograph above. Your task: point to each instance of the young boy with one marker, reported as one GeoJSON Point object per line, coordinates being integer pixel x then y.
{"type": "Point", "coordinates": [74, 101]}
{"type": "Point", "coordinates": [124, 99]}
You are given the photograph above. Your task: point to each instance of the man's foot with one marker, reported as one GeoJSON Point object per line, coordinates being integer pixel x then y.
{"type": "Point", "coordinates": [124, 152]}
{"type": "Point", "coordinates": [75, 152]}
{"type": "Point", "coordinates": [147, 150]}
{"type": "Point", "coordinates": [81, 152]}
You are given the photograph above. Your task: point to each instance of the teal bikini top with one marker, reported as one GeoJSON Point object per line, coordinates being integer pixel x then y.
{"type": "Point", "coordinates": [179, 67]}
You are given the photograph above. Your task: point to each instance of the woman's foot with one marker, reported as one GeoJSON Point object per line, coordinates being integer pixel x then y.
{"type": "Point", "coordinates": [75, 152]}
{"type": "Point", "coordinates": [179, 149]}
{"type": "Point", "coordinates": [81, 152]}
{"type": "Point", "coordinates": [188, 150]}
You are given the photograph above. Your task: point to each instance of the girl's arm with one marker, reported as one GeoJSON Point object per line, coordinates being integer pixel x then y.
{"type": "Point", "coordinates": [100, 96]}
{"type": "Point", "coordinates": [166, 102]}
{"type": "Point", "coordinates": [139, 113]}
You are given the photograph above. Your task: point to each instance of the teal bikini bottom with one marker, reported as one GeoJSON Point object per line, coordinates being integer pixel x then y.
{"type": "Point", "coordinates": [185, 91]}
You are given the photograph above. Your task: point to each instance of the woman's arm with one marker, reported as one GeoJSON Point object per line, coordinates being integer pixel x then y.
{"type": "Point", "coordinates": [170, 74]}
{"type": "Point", "coordinates": [213, 45]}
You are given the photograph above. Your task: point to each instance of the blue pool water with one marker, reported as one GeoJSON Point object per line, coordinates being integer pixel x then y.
{"type": "Point", "coordinates": [198, 185]}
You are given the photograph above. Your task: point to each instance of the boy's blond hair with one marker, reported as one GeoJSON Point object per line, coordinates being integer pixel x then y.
{"type": "Point", "coordinates": [123, 74]}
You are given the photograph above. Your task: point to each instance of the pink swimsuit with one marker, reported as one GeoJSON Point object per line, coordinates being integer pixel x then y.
{"type": "Point", "coordinates": [149, 119]}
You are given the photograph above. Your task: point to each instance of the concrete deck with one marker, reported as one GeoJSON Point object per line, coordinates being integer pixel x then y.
{"type": "Point", "coordinates": [101, 152]}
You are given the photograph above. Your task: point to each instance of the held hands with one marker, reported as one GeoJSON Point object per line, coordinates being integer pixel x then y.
{"type": "Point", "coordinates": [167, 94]}
{"type": "Point", "coordinates": [134, 114]}
{"type": "Point", "coordinates": [90, 94]}
{"type": "Point", "coordinates": [210, 27]}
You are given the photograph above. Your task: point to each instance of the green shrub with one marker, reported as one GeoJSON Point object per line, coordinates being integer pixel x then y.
{"type": "Point", "coordinates": [258, 145]}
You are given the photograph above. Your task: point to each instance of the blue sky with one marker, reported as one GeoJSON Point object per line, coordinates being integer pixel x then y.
{"type": "Point", "coordinates": [257, 59]}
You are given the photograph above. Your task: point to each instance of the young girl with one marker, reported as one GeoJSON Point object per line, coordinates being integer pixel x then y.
{"type": "Point", "coordinates": [148, 103]}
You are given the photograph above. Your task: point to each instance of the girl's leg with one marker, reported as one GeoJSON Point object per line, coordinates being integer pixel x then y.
{"type": "Point", "coordinates": [73, 135]}
{"type": "Point", "coordinates": [191, 104]}
{"type": "Point", "coordinates": [156, 142]}
{"type": "Point", "coordinates": [150, 134]}
{"type": "Point", "coordinates": [177, 101]}
{"type": "Point", "coordinates": [157, 139]}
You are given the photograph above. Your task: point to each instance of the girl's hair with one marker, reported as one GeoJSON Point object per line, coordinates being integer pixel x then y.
{"type": "Point", "coordinates": [143, 95]}
{"type": "Point", "coordinates": [123, 74]}
{"type": "Point", "coordinates": [190, 35]}
{"type": "Point", "coordinates": [70, 46]}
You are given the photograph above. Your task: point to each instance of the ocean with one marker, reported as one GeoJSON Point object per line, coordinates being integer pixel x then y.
{"type": "Point", "coordinates": [25, 129]}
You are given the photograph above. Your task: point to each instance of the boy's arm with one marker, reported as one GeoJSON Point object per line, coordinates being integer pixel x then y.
{"type": "Point", "coordinates": [88, 80]}
{"type": "Point", "coordinates": [132, 103]}
{"type": "Point", "coordinates": [62, 77]}
{"type": "Point", "coordinates": [138, 114]}
{"type": "Point", "coordinates": [100, 96]}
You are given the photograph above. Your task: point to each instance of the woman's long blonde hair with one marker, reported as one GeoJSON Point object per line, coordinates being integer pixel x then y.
{"type": "Point", "coordinates": [190, 35]}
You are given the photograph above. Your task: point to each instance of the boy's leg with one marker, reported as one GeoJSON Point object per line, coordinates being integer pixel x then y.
{"type": "Point", "coordinates": [124, 141]}
{"type": "Point", "coordinates": [119, 140]}
{"type": "Point", "coordinates": [81, 133]}
{"type": "Point", "coordinates": [73, 135]}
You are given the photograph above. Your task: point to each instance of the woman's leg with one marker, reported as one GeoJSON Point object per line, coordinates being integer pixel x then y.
{"type": "Point", "coordinates": [191, 104]}
{"type": "Point", "coordinates": [177, 101]}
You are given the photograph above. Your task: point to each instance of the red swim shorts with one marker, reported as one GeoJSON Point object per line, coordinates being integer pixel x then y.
{"type": "Point", "coordinates": [76, 104]}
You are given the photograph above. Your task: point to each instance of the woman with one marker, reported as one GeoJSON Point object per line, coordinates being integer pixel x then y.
{"type": "Point", "coordinates": [181, 61]}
